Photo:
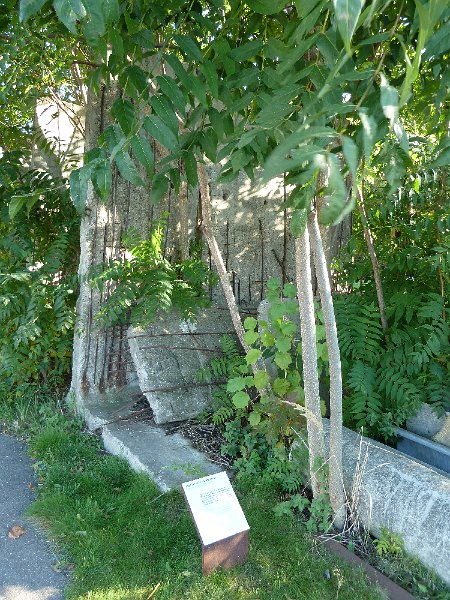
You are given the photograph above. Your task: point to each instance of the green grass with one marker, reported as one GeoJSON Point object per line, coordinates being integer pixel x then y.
{"type": "Point", "coordinates": [123, 539]}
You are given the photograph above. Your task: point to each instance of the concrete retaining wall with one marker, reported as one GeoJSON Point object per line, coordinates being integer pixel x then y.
{"type": "Point", "coordinates": [394, 491]}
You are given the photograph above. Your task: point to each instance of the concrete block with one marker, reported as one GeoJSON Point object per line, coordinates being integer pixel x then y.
{"type": "Point", "coordinates": [443, 435]}
{"type": "Point", "coordinates": [168, 356]}
{"type": "Point", "coordinates": [168, 459]}
{"type": "Point", "coordinates": [426, 422]}
{"type": "Point", "coordinates": [394, 491]}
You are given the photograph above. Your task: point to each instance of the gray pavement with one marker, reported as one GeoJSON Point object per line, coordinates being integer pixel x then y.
{"type": "Point", "coordinates": [27, 563]}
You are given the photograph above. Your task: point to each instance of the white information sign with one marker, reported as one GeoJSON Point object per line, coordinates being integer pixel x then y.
{"type": "Point", "coordinates": [215, 508]}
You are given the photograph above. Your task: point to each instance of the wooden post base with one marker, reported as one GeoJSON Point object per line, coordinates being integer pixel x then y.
{"type": "Point", "coordinates": [225, 553]}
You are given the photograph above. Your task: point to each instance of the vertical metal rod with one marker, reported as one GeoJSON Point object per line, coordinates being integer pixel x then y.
{"type": "Point", "coordinates": [262, 260]}
{"type": "Point", "coordinates": [227, 243]}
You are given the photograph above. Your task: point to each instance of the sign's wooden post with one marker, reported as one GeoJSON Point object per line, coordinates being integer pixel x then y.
{"type": "Point", "coordinates": [220, 521]}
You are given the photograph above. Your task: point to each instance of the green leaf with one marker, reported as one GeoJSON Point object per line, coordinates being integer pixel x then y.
{"type": "Point", "coordinates": [144, 38]}
{"type": "Point", "coordinates": [160, 185]}
{"type": "Point", "coordinates": [28, 8]}
{"type": "Point", "coordinates": [189, 47]}
{"type": "Point", "coordinates": [209, 143]}
{"type": "Point", "coordinates": [261, 379]}
{"type": "Point", "coordinates": [246, 51]}
{"type": "Point", "coordinates": [102, 179]}
{"type": "Point", "coordinates": [79, 186]}
{"type": "Point", "coordinates": [351, 155]}
{"type": "Point", "coordinates": [389, 100]}
{"type": "Point", "coordinates": [281, 386]}
{"type": "Point", "coordinates": [333, 208]}
{"type": "Point", "coordinates": [251, 336]}
{"type": "Point", "coordinates": [267, 339]}
{"type": "Point", "coordinates": [15, 205]}
{"type": "Point", "coordinates": [320, 332]}
{"type": "Point", "coordinates": [192, 84]}
{"type": "Point", "coordinates": [123, 111]}
{"type": "Point", "coordinates": [289, 290]}
{"type": "Point", "coordinates": [110, 9]}
{"type": "Point", "coordinates": [116, 42]}
{"type": "Point", "coordinates": [164, 109]}
{"type": "Point", "coordinates": [69, 11]}
{"type": "Point", "coordinates": [134, 82]}
{"type": "Point", "coordinates": [277, 310]}
{"type": "Point", "coordinates": [236, 384]}
{"type": "Point", "coordinates": [443, 160]}
{"type": "Point", "coordinates": [283, 360]}
{"type": "Point", "coordinates": [94, 27]}
{"type": "Point", "coordinates": [212, 79]}
{"type": "Point", "coordinates": [114, 139]}
{"type": "Point", "coordinates": [175, 179]}
{"type": "Point", "coordinates": [127, 168]}
{"type": "Point", "coordinates": [347, 14]}
{"type": "Point", "coordinates": [304, 7]}
{"type": "Point", "coordinates": [241, 399]}
{"type": "Point", "coordinates": [254, 418]}
{"type": "Point", "coordinates": [157, 129]}
{"type": "Point", "coordinates": [142, 150]}
{"type": "Point", "coordinates": [266, 7]}
{"type": "Point", "coordinates": [298, 222]}
{"type": "Point", "coordinates": [190, 166]}
{"type": "Point", "coordinates": [252, 356]}
{"type": "Point", "coordinates": [180, 71]}
{"type": "Point", "coordinates": [369, 131]}
{"type": "Point", "coordinates": [283, 344]}
{"type": "Point", "coordinates": [250, 323]}
{"type": "Point", "coordinates": [173, 92]}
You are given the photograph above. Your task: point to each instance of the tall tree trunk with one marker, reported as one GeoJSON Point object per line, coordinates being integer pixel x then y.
{"type": "Point", "coordinates": [337, 496]}
{"type": "Point", "coordinates": [373, 258]}
{"type": "Point", "coordinates": [314, 425]}
{"type": "Point", "coordinates": [216, 255]}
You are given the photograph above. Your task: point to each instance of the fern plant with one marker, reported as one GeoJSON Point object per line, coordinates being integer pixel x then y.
{"type": "Point", "coordinates": [387, 380]}
{"type": "Point", "coordinates": [38, 282]}
{"type": "Point", "coordinates": [144, 282]}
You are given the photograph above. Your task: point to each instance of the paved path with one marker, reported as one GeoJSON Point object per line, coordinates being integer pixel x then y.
{"type": "Point", "coordinates": [26, 571]}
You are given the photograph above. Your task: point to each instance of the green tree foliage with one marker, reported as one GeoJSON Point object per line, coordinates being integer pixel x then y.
{"type": "Point", "coordinates": [38, 284]}
{"type": "Point", "coordinates": [295, 85]}
{"type": "Point", "coordinates": [38, 61]}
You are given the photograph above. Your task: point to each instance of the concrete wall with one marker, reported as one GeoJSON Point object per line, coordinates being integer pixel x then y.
{"type": "Point", "coordinates": [389, 489]}
{"type": "Point", "coordinates": [59, 137]}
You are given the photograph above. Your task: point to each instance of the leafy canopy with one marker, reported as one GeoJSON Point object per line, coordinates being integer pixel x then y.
{"type": "Point", "coordinates": [288, 87]}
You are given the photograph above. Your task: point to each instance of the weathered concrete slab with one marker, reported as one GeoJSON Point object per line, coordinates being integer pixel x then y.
{"type": "Point", "coordinates": [99, 409]}
{"type": "Point", "coordinates": [168, 356]}
{"type": "Point", "coordinates": [394, 491]}
{"type": "Point", "coordinates": [169, 460]}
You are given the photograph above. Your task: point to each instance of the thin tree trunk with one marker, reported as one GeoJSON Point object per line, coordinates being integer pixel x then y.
{"type": "Point", "coordinates": [373, 258]}
{"type": "Point", "coordinates": [216, 255]}
{"type": "Point", "coordinates": [337, 496]}
{"type": "Point", "coordinates": [314, 425]}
